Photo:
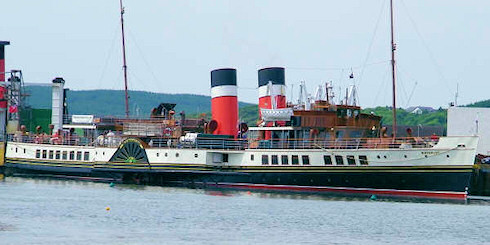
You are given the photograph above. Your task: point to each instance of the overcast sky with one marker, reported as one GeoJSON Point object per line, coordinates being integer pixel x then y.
{"type": "Point", "coordinates": [173, 45]}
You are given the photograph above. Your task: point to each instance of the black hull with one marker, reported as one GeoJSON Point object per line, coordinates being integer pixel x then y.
{"type": "Point", "coordinates": [446, 183]}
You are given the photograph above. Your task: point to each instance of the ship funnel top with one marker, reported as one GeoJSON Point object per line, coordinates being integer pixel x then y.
{"type": "Point", "coordinates": [271, 74]}
{"type": "Point", "coordinates": [224, 76]}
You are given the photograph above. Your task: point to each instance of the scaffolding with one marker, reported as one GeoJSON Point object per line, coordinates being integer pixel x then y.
{"type": "Point", "coordinates": [15, 99]}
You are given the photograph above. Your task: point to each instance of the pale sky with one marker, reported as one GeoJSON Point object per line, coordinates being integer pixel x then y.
{"type": "Point", "coordinates": [173, 45]}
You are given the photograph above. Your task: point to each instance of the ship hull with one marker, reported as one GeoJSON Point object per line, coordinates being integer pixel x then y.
{"type": "Point", "coordinates": [442, 183]}
{"type": "Point", "coordinates": [445, 183]}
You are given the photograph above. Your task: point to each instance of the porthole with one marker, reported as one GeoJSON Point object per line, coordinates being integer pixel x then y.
{"type": "Point", "coordinates": [103, 153]}
{"type": "Point", "coordinates": [378, 157]}
{"type": "Point", "coordinates": [195, 155]}
{"type": "Point", "coordinates": [158, 154]}
{"type": "Point", "coordinates": [426, 156]}
{"type": "Point", "coordinates": [251, 157]}
{"type": "Point", "coordinates": [447, 156]}
{"type": "Point", "coordinates": [166, 154]}
{"type": "Point", "coordinates": [405, 156]}
{"type": "Point", "coordinates": [25, 152]}
{"type": "Point", "coordinates": [384, 156]}
{"type": "Point", "coordinates": [177, 154]}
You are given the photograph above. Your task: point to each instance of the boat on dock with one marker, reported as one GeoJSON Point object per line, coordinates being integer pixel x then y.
{"type": "Point", "coordinates": [321, 148]}
{"type": "Point", "coordinates": [314, 146]}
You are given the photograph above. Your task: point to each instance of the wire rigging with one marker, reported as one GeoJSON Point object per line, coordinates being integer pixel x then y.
{"type": "Point", "coordinates": [109, 55]}
{"type": "Point", "coordinates": [383, 6]}
{"type": "Point", "coordinates": [431, 55]}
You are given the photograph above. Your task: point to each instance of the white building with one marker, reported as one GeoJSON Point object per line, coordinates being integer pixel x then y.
{"type": "Point", "coordinates": [470, 121]}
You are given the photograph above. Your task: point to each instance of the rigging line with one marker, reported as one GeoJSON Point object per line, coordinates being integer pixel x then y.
{"type": "Point", "coordinates": [138, 82]}
{"type": "Point", "coordinates": [401, 87]}
{"type": "Point", "coordinates": [383, 82]}
{"type": "Point", "coordinates": [434, 61]}
{"type": "Point", "coordinates": [109, 54]}
{"type": "Point", "coordinates": [143, 57]}
{"type": "Point", "coordinates": [117, 81]}
{"type": "Point", "coordinates": [404, 74]}
{"type": "Point", "coordinates": [337, 68]}
{"type": "Point", "coordinates": [383, 6]}
{"type": "Point", "coordinates": [411, 94]}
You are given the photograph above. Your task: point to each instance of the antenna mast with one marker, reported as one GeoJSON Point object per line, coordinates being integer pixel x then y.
{"type": "Point", "coordinates": [125, 68]}
{"type": "Point", "coordinates": [393, 75]}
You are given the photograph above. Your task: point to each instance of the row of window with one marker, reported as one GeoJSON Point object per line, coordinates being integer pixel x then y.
{"type": "Point", "coordinates": [176, 154]}
{"type": "Point", "coordinates": [285, 160]}
{"type": "Point", "coordinates": [339, 160]}
{"type": "Point", "coordinates": [63, 155]}
{"type": "Point", "coordinates": [305, 159]}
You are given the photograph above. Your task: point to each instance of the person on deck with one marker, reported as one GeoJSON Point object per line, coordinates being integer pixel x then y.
{"type": "Point", "coordinates": [434, 137]}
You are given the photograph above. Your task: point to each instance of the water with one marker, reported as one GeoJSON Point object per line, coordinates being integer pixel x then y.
{"type": "Point", "coordinates": [34, 211]}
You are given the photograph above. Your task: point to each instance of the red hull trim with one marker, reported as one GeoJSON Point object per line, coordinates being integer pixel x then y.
{"type": "Point", "coordinates": [350, 190]}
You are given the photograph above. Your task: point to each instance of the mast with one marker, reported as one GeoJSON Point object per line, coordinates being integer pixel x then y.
{"type": "Point", "coordinates": [125, 68]}
{"type": "Point", "coordinates": [393, 75]}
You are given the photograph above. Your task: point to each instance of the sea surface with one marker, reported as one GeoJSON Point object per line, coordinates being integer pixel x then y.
{"type": "Point", "coordinates": [41, 211]}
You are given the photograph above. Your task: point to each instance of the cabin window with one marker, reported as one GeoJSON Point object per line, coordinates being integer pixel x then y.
{"type": "Point", "coordinates": [265, 159]}
{"type": "Point", "coordinates": [327, 160]}
{"type": "Point", "coordinates": [339, 160]}
{"type": "Point", "coordinates": [363, 160]}
{"type": "Point", "coordinates": [275, 160]}
{"type": "Point", "coordinates": [38, 153]}
{"type": "Point", "coordinates": [79, 155]}
{"type": "Point", "coordinates": [225, 157]}
{"type": "Point", "coordinates": [251, 157]}
{"type": "Point", "coordinates": [45, 153]}
{"type": "Point", "coordinates": [86, 156]}
{"type": "Point", "coordinates": [351, 160]}
{"type": "Point", "coordinates": [306, 160]}
{"type": "Point", "coordinates": [51, 153]}
{"type": "Point", "coordinates": [58, 155]}
{"type": "Point", "coordinates": [64, 155]}
{"type": "Point", "coordinates": [284, 160]}
{"type": "Point", "coordinates": [294, 160]}
{"type": "Point", "coordinates": [72, 155]}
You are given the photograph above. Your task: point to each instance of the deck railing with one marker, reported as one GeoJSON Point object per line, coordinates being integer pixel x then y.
{"type": "Point", "coordinates": [235, 144]}
{"type": "Point", "coordinates": [107, 141]}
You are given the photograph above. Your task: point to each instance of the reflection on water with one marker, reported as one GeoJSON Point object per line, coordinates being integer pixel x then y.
{"type": "Point", "coordinates": [46, 211]}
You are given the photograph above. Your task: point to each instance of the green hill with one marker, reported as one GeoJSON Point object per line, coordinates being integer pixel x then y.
{"type": "Point", "coordinates": [484, 103]}
{"type": "Point", "coordinates": [111, 102]}
{"type": "Point", "coordinates": [436, 118]}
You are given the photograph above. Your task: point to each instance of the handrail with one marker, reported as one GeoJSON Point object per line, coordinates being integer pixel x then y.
{"type": "Point", "coordinates": [235, 144]}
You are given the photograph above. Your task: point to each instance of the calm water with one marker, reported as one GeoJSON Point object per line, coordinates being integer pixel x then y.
{"type": "Point", "coordinates": [34, 211]}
